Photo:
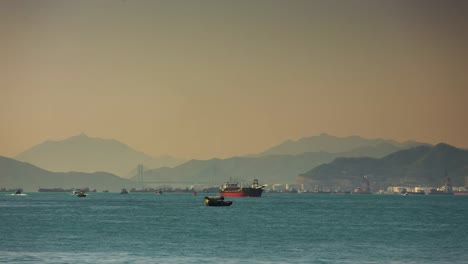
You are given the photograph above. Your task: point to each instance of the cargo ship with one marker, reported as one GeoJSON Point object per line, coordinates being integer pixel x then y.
{"type": "Point", "coordinates": [365, 187]}
{"type": "Point", "coordinates": [444, 190]}
{"type": "Point", "coordinates": [231, 189]}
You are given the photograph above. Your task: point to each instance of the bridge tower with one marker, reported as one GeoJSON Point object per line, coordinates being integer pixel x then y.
{"type": "Point", "coordinates": [141, 176]}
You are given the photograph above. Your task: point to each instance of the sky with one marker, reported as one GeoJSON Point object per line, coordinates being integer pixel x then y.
{"type": "Point", "coordinates": [203, 79]}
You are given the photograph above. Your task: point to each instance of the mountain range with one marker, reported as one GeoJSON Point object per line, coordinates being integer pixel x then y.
{"type": "Point", "coordinates": [16, 174]}
{"type": "Point", "coordinates": [422, 165]}
{"type": "Point", "coordinates": [275, 168]}
{"type": "Point", "coordinates": [333, 144]}
{"type": "Point", "coordinates": [87, 154]}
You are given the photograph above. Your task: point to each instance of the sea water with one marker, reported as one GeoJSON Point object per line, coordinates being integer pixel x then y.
{"type": "Point", "coordinates": [276, 228]}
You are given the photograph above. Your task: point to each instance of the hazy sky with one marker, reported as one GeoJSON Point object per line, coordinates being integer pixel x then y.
{"type": "Point", "coordinates": [203, 79]}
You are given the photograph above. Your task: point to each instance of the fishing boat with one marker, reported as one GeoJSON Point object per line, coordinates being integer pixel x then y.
{"type": "Point", "coordinates": [85, 190]}
{"type": "Point", "coordinates": [216, 201]}
{"type": "Point", "coordinates": [80, 194]}
{"type": "Point", "coordinates": [233, 189]}
{"type": "Point", "coordinates": [19, 192]}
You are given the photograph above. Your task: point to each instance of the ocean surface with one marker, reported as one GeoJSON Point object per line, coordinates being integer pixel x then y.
{"type": "Point", "coordinates": [276, 228]}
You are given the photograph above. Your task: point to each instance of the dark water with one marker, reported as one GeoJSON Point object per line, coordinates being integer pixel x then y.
{"type": "Point", "coordinates": [276, 228]}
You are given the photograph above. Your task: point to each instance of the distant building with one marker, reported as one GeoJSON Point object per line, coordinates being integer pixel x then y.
{"type": "Point", "coordinates": [399, 189]}
{"type": "Point", "coordinates": [294, 187]}
{"type": "Point", "coordinates": [425, 189]}
{"type": "Point", "coordinates": [277, 187]}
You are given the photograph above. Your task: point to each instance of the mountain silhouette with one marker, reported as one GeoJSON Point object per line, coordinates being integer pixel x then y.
{"type": "Point", "coordinates": [87, 154]}
{"type": "Point", "coordinates": [274, 168]}
{"type": "Point", "coordinates": [17, 174]}
{"type": "Point", "coordinates": [269, 168]}
{"type": "Point", "coordinates": [423, 165]}
{"type": "Point", "coordinates": [333, 144]}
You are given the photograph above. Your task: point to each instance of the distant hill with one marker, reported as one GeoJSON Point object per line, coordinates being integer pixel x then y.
{"type": "Point", "coordinates": [274, 168]}
{"type": "Point", "coordinates": [270, 169]}
{"type": "Point", "coordinates": [333, 144]}
{"type": "Point", "coordinates": [423, 165]}
{"type": "Point", "coordinates": [16, 174]}
{"type": "Point", "coordinates": [87, 154]}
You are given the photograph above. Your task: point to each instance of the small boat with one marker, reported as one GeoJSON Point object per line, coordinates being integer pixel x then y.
{"type": "Point", "coordinates": [81, 194]}
{"type": "Point", "coordinates": [18, 192]}
{"type": "Point", "coordinates": [123, 191]}
{"type": "Point", "coordinates": [216, 201]}
{"type": "Point", "coordinates": [158, 192]}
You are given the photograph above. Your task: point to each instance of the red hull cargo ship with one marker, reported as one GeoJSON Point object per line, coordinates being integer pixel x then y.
{"type": "Point", "coordinates": [230, 189]}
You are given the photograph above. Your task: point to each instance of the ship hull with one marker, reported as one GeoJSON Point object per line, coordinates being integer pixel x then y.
{"type": "Point", "coordinates": [244, 192]}
{"type": "Point", "coordinates": [437, 192]}
{"type": "Point", "coordinates": [417, 193]}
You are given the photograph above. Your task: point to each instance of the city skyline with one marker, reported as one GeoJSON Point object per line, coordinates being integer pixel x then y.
{"type": "Point", "coordinates": [219, 79]}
